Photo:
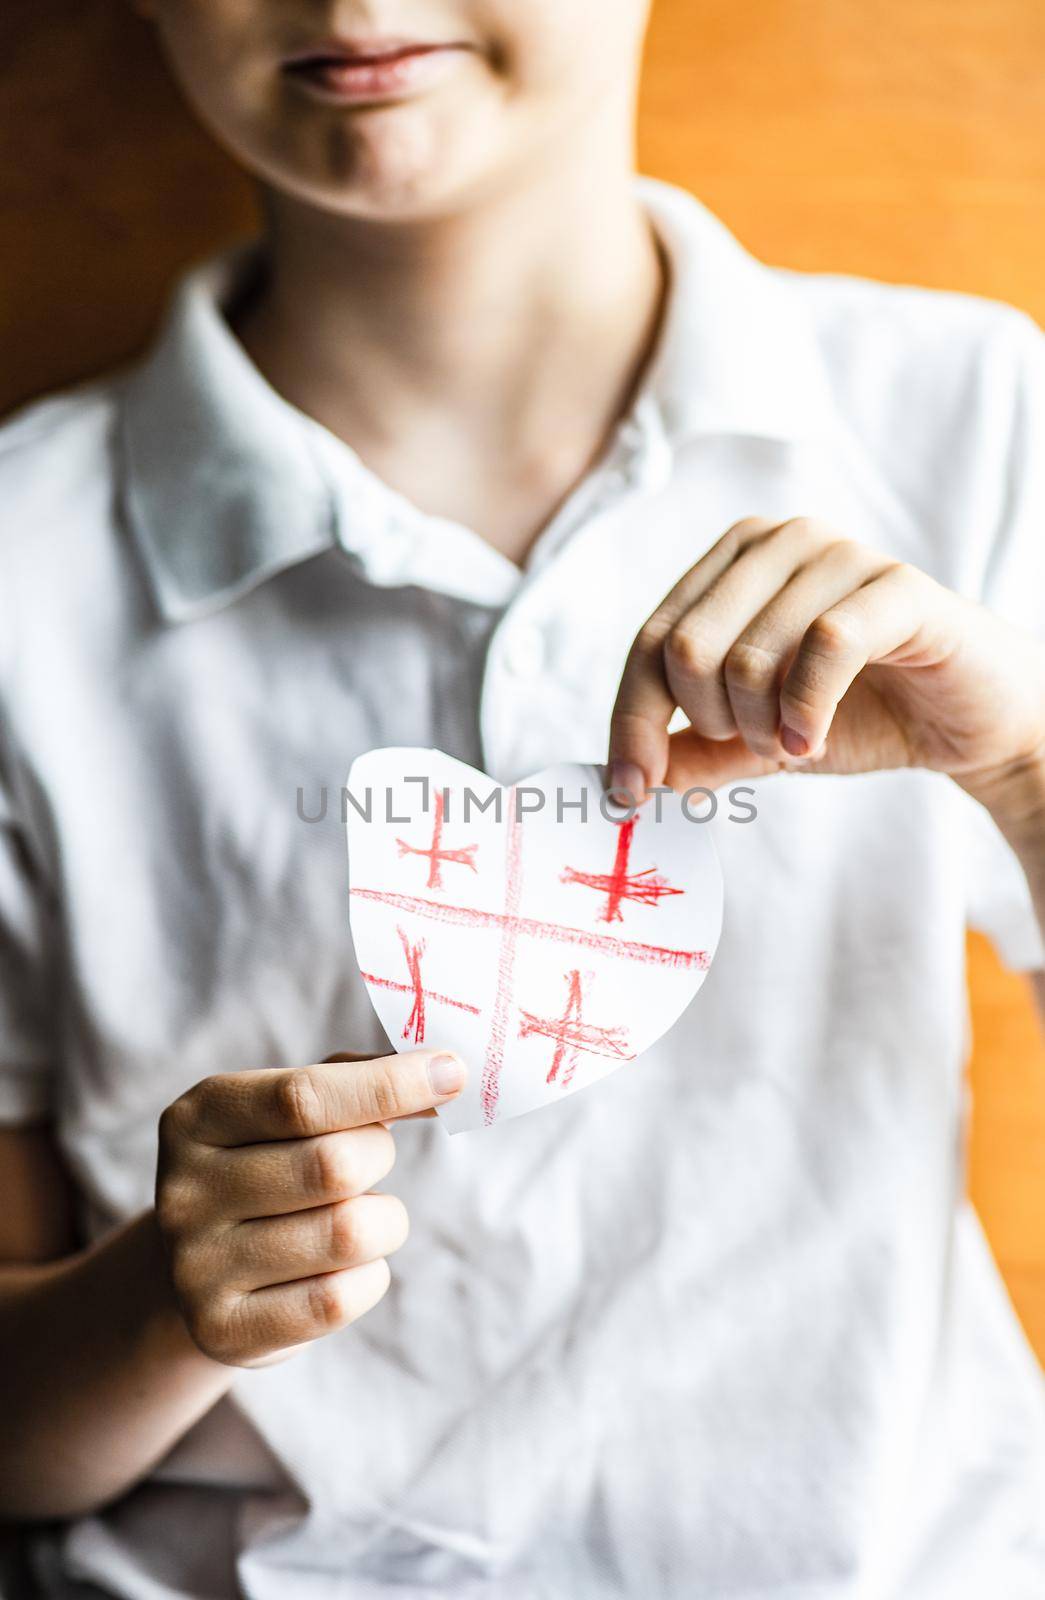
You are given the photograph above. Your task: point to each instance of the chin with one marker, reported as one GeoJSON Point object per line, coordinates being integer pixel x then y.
{"type": "Point", "coordinates": [393, 197]}
{"type": "Point", "coordinates": [396, 163]}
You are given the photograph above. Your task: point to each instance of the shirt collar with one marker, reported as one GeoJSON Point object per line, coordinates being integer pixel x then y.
{"type": "Point", "coordinates": [221, 483]}
{"type": "Point", "coordinates": [224, 483]}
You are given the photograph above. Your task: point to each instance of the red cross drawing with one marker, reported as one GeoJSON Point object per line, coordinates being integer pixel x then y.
{"type": "Point", "coordinates": [416, 1019]}
{"type": "Point", "coordinates": [572, 1034]}
{"type": "Point", "coordinates": [619, 884]}
{"type": "Point", "coordinates": [512, 926]}
{"type": "Point", "coordinates": [464, 855]}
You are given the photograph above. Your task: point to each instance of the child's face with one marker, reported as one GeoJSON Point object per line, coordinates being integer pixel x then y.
{"type": "Point", "coordinates": [310, 97]}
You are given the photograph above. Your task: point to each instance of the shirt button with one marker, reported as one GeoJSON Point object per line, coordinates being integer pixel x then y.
{"type": "Point", "coordinates": [524, 651]}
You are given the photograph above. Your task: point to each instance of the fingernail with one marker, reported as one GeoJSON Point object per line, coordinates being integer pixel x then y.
{"type": "Point", "coordinates": [793, 742]}
{"type": "Point", "coordinates": [626, 785]}
{"type": "Point", "coordinates": [445, 1074]}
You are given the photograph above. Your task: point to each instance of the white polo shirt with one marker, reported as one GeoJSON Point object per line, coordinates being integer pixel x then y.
{"type": "Point", "coordinates": [721, 1325]}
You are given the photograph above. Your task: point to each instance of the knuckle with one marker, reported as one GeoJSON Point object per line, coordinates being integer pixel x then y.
{"type": "Point", "coordinates": [691, 654]}
{"type": "Point", "coordinates": [346, 1232]}
{"type": "Point", "coordinates": [330, 1169]}
{"type": "Point", "coordinates": [904, 572]}
{"type": "Point", "coordinates": [207, 1327]}
{"type": "Point", "coordinates": [806, 531]}
{"type": "Point", "coordinates": [831, 636]}
{"type": "Point", "coordinates": [299, 1099]}
{"type": "Point", "coordinates": [205, 1095]}
{"type": "Point", "coordinates": [203, 1310]}
{"type": "Point", "coordinates": [213, 1331]}
{"type": "Point", "coordinates": [650, 637]}
{"type": "Point", "coordinates": [744, 532]}
{"type": "Point", "coordinates": [846, 552]}
{"type": "Point", "coordinates": [175, 1204]}
{"type": "Point", "coordinates": [750, 666]}
{"type": "Point", "coordinates": [206, 1102]}
{"type": "Point", "coordinates": [174, 1121]}
{"type": "Point", "coordinates": [326, 1303]}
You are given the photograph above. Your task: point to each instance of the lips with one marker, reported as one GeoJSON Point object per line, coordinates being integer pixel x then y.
{"type": "Point", "coordinates": [371, 69]}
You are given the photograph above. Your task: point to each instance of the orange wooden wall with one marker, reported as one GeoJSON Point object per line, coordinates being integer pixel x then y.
{"type": "Point", "coordinates": [903, 139]}
{"type": "Point", "coordinates": [899, 138]}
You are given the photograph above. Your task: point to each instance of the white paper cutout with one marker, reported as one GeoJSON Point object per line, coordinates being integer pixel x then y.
{"type": "Point", "coordinates": [544, 949]}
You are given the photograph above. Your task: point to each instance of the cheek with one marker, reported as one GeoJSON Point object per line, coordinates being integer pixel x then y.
{"type": "Point", "coordinates": [541, 43]}
{"type": "Point", "coordinates": [216, 49]}
{"type": "Point", "coordinates": [549, 39]}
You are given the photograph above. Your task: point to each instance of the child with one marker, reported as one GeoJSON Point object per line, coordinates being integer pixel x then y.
{"type": "Point", "coordinates": [415, 471]}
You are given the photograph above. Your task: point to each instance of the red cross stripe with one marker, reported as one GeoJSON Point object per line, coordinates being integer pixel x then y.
{"type": "Point", "coordinates": [618, 885]}
{"type": "Point", "coordinates": [572, 1034]}
{"type": "Point", "coordinates": [654, 955]}
{"type": "Point", "coordinates": [464, 855]}
{"type": "Point", "coordinates": [416, 1019]}
{"type": "Point", "coordinates": [511, 927]}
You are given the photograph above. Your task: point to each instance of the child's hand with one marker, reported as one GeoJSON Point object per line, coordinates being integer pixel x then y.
{"type": "Point", "coordinates": [263, 1197]}
{"type": "Point", "coordinates": [788, 642]}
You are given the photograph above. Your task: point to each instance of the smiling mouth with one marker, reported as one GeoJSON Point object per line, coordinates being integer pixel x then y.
{"type": "Point", "coordinates": [368, 71]}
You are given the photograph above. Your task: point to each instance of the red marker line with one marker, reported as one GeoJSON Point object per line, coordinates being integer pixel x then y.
{"type": "Point", "coordinates": [508, 920]}
{"type": "Point", "coordinates": [463, 855]}
{"type": "Point", "coordinates": [571, 1033]}
{"type": "Point", "coordinates": [557, 932]}
{"type": "Point", "coordinates": [430, 994]}
{"type": "Point", "coordinates": [580, 1036]}
{"type": "Point", "coordinates": [620, 884]}
{"type": "Point", "coordinates": [413, 954]}
{"type": "Point", "coordinates": [416, 1019]}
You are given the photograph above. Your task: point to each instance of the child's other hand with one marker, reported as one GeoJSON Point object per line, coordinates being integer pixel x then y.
{"type": "Point", "coordinates": [264, 1198]}
{"type": "Point", "coordinates": [788, 645]}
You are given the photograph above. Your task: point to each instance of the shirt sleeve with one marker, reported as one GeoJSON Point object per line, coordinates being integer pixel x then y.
{"type": "Point", "coordinates": [27, 996]}
{"type": "Point", "coordinates": [1013, 585]}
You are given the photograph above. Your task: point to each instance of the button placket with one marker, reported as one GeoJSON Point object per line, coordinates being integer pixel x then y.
{"type": "Point", "coordinates": [525, 650]}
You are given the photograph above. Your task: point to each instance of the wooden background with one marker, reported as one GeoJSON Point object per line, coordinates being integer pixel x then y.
{"type": "Point", "coordinates": [899, 138]}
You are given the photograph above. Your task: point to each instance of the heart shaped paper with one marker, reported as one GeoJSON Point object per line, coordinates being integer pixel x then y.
{"type": "Point", "coordinates": [536, 930]}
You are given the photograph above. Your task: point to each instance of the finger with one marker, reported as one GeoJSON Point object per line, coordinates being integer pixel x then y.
{"type": "Point", "coordinates": [698, 647]}
{"type": "Point", "coordinates": [303, 1102]}
{"type": "Point", "coordinates": [759, 656]}
{"type": "Point", "coordinates": [895, 612]}
{"type": "Point", "coordinates": [349, 1055]}
{"type": "Point", "coordinates": [263, 1321]}
{"type": "Point", "coordinates": [327, 1239]}
{"type": "Point", "coordinates": [696, 763]}
{"type": "Point", "coordinates": [638, 752]}
{"type": "Point", "coordinates": [268, 1180]}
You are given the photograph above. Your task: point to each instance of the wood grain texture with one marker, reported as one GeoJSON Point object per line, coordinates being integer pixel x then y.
{"type": "Point", "coordinates": [904, 142]}
{"type": "Point", "coordinates": [900, 141]}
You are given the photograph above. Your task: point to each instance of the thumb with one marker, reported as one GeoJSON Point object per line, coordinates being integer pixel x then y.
{"type": "Point", "coordinates": [697, 762]}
